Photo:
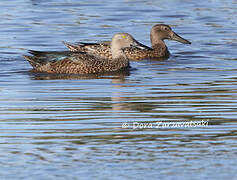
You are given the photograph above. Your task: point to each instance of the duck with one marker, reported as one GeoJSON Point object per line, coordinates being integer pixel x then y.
{"type": "Point", "coordinates": [158, 49]}
{"type": "Point", "coordinates": [67, 62]}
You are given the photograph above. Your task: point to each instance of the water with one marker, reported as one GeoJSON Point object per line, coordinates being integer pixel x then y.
{"type": "Point", "coordinates": [86, 127]}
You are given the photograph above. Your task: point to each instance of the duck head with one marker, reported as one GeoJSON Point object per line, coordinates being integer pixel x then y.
{"type": "Point", "coordinates": [160, 32]}
{"type": "Point", "coordinates": [121, 41]}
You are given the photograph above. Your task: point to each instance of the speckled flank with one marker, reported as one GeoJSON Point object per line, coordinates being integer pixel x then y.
{"type": "Point", "coordinates": [82, 66]}
{"type": "Point", "coordinates": [138, 54]}
{"type": "Point", "coordinates": [159, 33]}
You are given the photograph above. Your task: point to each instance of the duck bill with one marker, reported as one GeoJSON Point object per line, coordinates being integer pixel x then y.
{"type": "Point", "coordinates": [140, 46]}
{"type": "Point", "coordinates": [178, 38]}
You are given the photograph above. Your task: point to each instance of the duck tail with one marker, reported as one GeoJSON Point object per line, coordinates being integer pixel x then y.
{"type": "Point", "coordinates": [73, 47]}
{"type": "Point", "coordinates": [41, 54]}
{"type": "Point", "coordinates": [35, 63]}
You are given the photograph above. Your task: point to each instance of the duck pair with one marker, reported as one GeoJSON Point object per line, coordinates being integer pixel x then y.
{"type": "Point", "coordinates": [87, 58]}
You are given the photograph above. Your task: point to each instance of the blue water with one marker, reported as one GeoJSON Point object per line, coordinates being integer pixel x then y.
{"type": "Point", "coordinates": [86, 127]}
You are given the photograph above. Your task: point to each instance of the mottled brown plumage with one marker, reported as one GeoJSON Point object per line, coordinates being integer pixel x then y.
{"type": "Point", "coordinates": [80, 64]}
{"type": "Point", "coordinates": [83, 63]}
{"type": "Point", "coordinates": [158, 49]}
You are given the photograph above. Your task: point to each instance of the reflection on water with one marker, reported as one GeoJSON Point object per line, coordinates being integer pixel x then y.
{"type": "Point", "coordinates": [70, 126]}
{"type": "Point", "coordinates": [110, 75]}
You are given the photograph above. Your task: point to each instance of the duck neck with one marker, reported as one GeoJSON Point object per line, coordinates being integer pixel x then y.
{"type": "Point", "coordinates": [155, 40]}
{"type": "Point", "coordinates": [117, 53]}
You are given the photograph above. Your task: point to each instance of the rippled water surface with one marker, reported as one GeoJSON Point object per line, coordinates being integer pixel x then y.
{"type": "Point", "coordinates": [123, 125]}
